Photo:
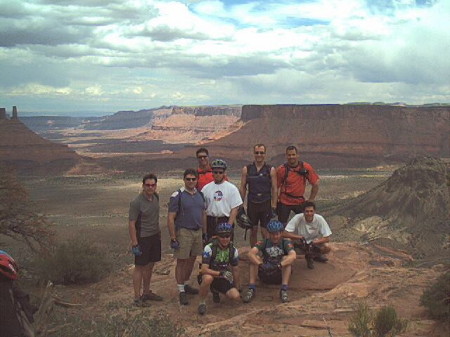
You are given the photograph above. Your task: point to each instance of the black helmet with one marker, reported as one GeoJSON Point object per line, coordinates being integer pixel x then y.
{"type": "Point", "coordinates": [219, 163]}
{"type": "Point", "coordinates": [224, 228]}
{"type": "Point", "coordinates": [242, 219]}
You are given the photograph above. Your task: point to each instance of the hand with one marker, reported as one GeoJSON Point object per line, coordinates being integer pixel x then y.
{"type": "Point", "coordinates": [174, 244]}
{"type": "Point", "coordinates": [279, 266]}
{"type": "Point", "coordinates": [228, 275]}
{"type": "Point", "coordinates": [136, 250]}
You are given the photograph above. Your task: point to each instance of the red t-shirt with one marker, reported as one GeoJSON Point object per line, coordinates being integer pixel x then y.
{"type": "Point", "coordinates": [204, 177]}
{"type": "Point", "coordinates": [293, 188]}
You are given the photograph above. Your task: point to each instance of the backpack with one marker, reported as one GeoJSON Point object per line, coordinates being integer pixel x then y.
{"type": "Point", "coordinates": [137, 225]}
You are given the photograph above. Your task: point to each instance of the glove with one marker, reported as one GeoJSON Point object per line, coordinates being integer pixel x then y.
{"type": "Point", "coordinates": [228, 275]}
{"type": "Point", "coordinates": [136, 250]}
{"type": "Point", "coordinates": [174, 244]}
{"type": "Point", "coordinates": [205, 238]}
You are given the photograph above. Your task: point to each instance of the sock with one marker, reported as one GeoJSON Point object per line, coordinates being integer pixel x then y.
{"type": "Point", "coordinates": [203, 301]}
{"type": "Point", "coordinates": [284, 287]}
{"type": "Point", "coordinates": [252, 286]}
{"type": "Point", "coordinates": [180, 288]}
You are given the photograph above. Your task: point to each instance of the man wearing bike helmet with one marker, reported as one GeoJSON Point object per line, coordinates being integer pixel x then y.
{"type": "Point", "coordinates": [274, 265]}
{"type": "Point", "coordinates": [219, 271]}
{"type": "Point", "coordinates": [222, 198]}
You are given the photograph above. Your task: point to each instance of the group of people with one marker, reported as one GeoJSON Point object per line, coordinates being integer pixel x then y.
{"type": "Point", "coordinates": [201, 218]}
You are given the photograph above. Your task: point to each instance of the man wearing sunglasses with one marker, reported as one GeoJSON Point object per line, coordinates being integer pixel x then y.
{"type": "Point", "coordinates": [260, 180]}
{"type": "Point", "coordinates": [204, 169]}
{"type": "Point", "coordinates": [145, 237]}
{"type": "Point", "coordinates": [186, 222]}
{"type": "Point", "coordinates": [220, 271]}
{"type": "Point", "coordinates": [222, 198]}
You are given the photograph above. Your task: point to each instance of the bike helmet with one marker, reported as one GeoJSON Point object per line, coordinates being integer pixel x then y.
{"type": "Point", "coordinates": [219, 163]}
{"type": "Point", "coordinates": [242, 220]}
{"type": "Point", "coordinates": [8, 266]}
{"type": "Point", "coordinates": [275, 226]}
{"type": "Point", "coordinates": [224, 228]}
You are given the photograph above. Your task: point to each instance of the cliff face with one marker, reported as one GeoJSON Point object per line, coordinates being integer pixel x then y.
{"type": "Point", "coordinates": [341, 135]}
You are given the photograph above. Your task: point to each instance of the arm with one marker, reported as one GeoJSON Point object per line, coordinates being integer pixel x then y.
{"type": "Point", "coordinates": [171, 225]}
{"type": "Point", "coordinates": [314, 190]}
{"type": "Point", "coordinates": [132, 231]}
{"type": "Point", "coordinates": [274, 191]}
{"type": "Point", "coordinates": [243, 187]}
{"type": "Point", "coordinates": [208, 271]}
{"type": "Point", "coordinates": [233, 214]}
{"type": "Point", "coordinates": [204, 222]}
{"type": "Point", "coordinates": [292, 236]}
{"type": "Point", "coordinates": [254, 257]}
{"type": "Point", "coordinates": [321, 240]}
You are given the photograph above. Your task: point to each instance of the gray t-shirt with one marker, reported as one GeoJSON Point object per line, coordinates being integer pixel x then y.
{"type": "Point", "coordinates": [149, 211]}
{"type": "Point", "coordinates": [190, 215]}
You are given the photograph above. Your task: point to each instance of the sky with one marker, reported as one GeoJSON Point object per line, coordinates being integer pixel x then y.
{"type": "Point", "coordinates": [94, 57]}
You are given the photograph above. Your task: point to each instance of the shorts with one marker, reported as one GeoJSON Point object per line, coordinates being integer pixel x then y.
{"type": "Point", "coordinates": [272, 278]}
{"type": "Point", "coordinates": [212, 222]}
{"type": "Point", "coordinates": [259, 213]}
{"type": "Point", "coordinates": [284, 211]}
{"type": "Point", "coordinates": [221, 285]}
{"type": "Point", "coordinates": [191, 243]}
{"type": "Point", "coordinates": [151, 250]}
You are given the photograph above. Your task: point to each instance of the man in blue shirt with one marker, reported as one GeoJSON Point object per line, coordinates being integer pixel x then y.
{"type": "Point", "coordinates": [186, 222]}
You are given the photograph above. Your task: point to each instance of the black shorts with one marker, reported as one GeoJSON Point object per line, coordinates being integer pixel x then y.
{"type": "Point", "coordinates": [272, 278]}
{"type": "Point", "coordinates": [259, 213]}
{"type": "Point", "coordinates": [284, 211]}
{"type": "Point", "coordinates": [151, 250]}
{"type": "Point", "coordinates": [221, 285]}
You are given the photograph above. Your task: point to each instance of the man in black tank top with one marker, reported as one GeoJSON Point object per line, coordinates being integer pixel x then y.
{"type": "Point", "coordinates": [260, 181]}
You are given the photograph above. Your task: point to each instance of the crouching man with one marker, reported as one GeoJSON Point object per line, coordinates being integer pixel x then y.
{"type": "Point", "coordinates": [275, 265]}
{"type": "Point", "coordinates": [219, 268]}
{"type": "Point", "coordinates": [310, 233]}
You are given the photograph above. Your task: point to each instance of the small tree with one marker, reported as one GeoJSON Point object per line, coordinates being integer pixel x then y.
{"type": "Point", "coordinates": [360, 323]}
{"type": "Point", "coordinates": [436, 298]}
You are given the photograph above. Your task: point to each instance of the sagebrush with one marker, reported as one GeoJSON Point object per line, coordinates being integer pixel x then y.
{"type": "Point", "coordinates": [436, 298]}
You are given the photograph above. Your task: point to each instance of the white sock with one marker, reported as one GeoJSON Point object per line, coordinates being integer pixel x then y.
{"type": "Point", "coordinates": [180, 288]}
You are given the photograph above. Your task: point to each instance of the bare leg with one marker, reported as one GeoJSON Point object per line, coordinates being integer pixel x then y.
{"type": "Point", "coordinates": [147, 276]}
{"type": "Point", "coordinates": [204, 287]}
{"type": "Point", "coordinates": [233, 293]}
{"type": "Point", "coordinates": [253, 236]}
{"type": "Point", "coordinates": [253, 273]}
{"type": "Point", "coordinates": [137, 280]}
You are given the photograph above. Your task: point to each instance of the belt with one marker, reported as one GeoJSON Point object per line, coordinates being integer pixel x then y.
{"type": "Point", "coordinates": [218, 218]}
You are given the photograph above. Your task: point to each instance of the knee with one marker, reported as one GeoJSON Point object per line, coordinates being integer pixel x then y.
{"type": "Point", "coordinates": [207, 279]}
{"type": "Point", "coordinates": [325, 249]}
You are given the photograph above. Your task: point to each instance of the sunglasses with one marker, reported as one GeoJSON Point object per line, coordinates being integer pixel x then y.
{"type": "Point", "coordinates": [259, 152]}
{"type": "Point", "coordinates": [218, 172]}
{"type": "Point", "coordinates": [190, 179]}
{"type": "Point", "coordinates": [202, 157]}
{"type": "Point", "coordinates": [150, 185]}
{"type": "Point", "coordinates": [226, 236]}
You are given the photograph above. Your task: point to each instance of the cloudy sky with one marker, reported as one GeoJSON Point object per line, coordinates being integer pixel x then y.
{"type": "Point", "coordinates": [98, 56]}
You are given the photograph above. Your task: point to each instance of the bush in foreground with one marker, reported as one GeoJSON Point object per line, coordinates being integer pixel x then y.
{"type": "Point", "coordinates": [75, 262]}
{"type": "Point", "coordinates": [436, 298]}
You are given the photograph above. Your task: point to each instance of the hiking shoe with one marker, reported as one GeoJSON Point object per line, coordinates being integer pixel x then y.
{"type": "Point", "coordinates": [183, 298]}
{"type": "Point", "coordinates": [310, 262]}
{"type": "Point", "coordinates": [320, 258]}
{"type": "Point", "coordinates": [248, 296]}
{"type": "Point", "coordinates": [216, 297]}
{"type": "Point", "coordinates": [151, 297]}
{"type": "Point", "coordinates": [202, 309]}
{"type": "Point", "coordinates": [190, 290]}
{"type": "Point", "coordinates": [284, 296]}
{"type": "Point", "coordinates": [138, 302]}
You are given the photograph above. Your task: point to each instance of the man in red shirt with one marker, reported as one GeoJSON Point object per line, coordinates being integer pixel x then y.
{"type": "Point", "coordinates": [204, 170]}
{"type": "Point", "coordinates": [292, 178]}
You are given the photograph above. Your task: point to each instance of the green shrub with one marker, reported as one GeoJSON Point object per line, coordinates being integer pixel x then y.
{"type": "Point", "coordinates": [383, 323]}
{"type": "Point", "coordinates": [360, 323]}
{"type": "Point", "coordinates": [436, 298]}
{"type": "Point", "coordinates": [74, 262]}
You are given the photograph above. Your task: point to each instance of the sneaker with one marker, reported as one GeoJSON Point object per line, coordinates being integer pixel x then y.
{"type": "Point", "coordinates": [151, 297]}
{"type": "Point", "coordinates": [216, 297]}
{"type": "Point", "coordinates": [248, 296]}
{"type": "Point", "coordinates": [320, 258]}
{"type": "Point", "coordinates": [183, 298]}
{"type": "Point", "coordinates": [190, 290]}
{"type": "Point", "coordinates": [202, 309]}
{"type": "Point", "coordinates": [138, 302]}
{"type": "Point", "coordinates": [309, 262]}
{"type": "Point", "coordinates": [284, 296]}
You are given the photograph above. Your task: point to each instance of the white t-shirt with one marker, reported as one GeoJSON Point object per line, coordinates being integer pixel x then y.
{"type": "Point", "coordinates": [221, 198]}
{"type": "Point", "coordinates": [317, 228]}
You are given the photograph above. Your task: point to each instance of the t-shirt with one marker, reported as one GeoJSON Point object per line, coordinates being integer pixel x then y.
{"type": "Point", "coordinates": [149, 211]}
{"type": "Point", "coordinates": [221, 198]}
{"type": "Point", "coordinates": [317, 228]}
{"type": "Point", "coordinates": [274, 252]}
{"type": "Point", "coordinates": [204, 177]}
{"type": "Point", "coordinates": [222, 260]}
{"type": "Point", "coordinates": [190, 215]}
{"type": "Point", "coordinates": [293, 187]}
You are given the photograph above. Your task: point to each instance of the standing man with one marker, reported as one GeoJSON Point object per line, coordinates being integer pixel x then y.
{"type": "Point", "coordinates": [291, 180]}
{"type": "Point", "coordinates": [145, 236]}
{"type": "Point", "coordinates": [186, 222]}
{"type": "Point", "coordinates": [220, 271]}
{"type": "Point", "coordinates": [204, 170]}
{"type": "Point", "coordinates": [310, 233]}
{"type": "Point", "coordinates": [222, 198]}
{"type": "Point", "coordinates": [261, 179]}
{"type": "Point", "coordinates": [275, 265]}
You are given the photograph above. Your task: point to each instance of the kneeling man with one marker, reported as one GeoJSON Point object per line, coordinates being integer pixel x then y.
{"type": "Point", "coordinates": [310, 233]}
{"type": "Point", "coordinates": [275, 265]}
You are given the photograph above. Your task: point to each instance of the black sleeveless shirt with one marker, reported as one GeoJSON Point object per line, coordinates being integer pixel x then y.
{"type": "Point", "coordinates": [259, 183]}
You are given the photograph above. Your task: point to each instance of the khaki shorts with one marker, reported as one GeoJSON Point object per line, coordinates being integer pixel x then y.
{"type": "Point", "coordinates": [191, 243]}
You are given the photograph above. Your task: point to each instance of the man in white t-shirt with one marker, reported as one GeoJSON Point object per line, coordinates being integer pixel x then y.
{"type": "Point", "coordinates": [310, 233]}
{"type": "Point", "coordinates": [222, 198]}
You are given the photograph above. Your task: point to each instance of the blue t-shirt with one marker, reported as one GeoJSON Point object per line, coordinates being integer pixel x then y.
{"type": "Point", "coordinates": [189, 208]}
